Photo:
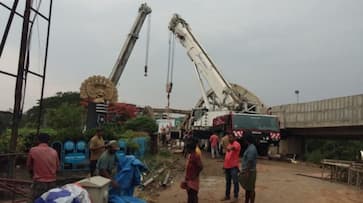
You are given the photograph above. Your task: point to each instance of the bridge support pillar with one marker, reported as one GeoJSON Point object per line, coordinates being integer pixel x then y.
{"type": "Point", "coordinates": [292, 145]}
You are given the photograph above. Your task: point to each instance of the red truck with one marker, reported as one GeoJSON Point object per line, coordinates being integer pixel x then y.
{"type": "Point", "coordinates": [265, 128]}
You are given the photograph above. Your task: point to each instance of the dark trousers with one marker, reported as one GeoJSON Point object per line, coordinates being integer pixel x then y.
{"type": "Point", "coordinates": [232, 175]}
{"type": "Point", "coordinates": [39, 188]}
{"type": "Point", "coordinates": [92, 167]}
{"type": "Point", "coordinates": [192, 196]}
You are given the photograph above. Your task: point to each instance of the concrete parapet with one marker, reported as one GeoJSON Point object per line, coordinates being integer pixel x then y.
{"type": "Point", "coordinates": [335, 112]}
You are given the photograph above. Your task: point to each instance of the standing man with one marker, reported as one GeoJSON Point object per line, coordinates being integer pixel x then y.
{"type": "Point", "coordinates": [96, 146]}
{"type": "Point", "coordinates": [42, 164]}
{"type": "Point", "coordinates": [186, 140]}
{"type": "Point", "coordinates": [106, 164]}
{"type": "Point", "coordinates": [193, 168]}
{"type": "Point", "coordinates": [225, 142]}
{"type": "Point", "coordinates": [214, 145]}
{"type": "Point", "coordinates": [163, 136]}
{"type": "Point", "coordinates": [231, 163]}
{"type": "Point", "coordinates": [248, 175]}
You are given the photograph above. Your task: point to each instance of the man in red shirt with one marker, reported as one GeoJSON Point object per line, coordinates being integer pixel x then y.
{"type": "Point", "coordinates": [214, 145]}
{"type": "Point", "coordinates": [193, 168]}
{"type": "Point", "coordinates": [231, 164]}
{"type": "Point", "coordinates": [42, 164]}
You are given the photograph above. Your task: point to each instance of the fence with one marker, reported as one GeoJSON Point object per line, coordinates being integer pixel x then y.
{"type": "Point", "coordinates": [349, 172]}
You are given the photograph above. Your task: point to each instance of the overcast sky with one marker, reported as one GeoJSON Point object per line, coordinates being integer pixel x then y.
{"type": "Point", "coordinates": [269, 47]}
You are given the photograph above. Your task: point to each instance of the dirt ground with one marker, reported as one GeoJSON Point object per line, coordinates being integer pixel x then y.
{"type": "Point", "coordinates": [276, 182]}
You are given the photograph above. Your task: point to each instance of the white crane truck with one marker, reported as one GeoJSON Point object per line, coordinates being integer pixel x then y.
{"type": "Point", "coordinates": [224, 107]}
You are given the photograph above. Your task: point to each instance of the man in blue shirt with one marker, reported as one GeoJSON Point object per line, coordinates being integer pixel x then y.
{"type": "Point", "coordinates": [106, 164]}
{"type": "Point", "coordinates": [248, 176]}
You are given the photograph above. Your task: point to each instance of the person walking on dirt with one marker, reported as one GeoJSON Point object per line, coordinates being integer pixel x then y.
{"type": "Point", "coordinates": [42, 164]}
{"type": "Point", "coordinates": [96, 146]}
{"type": "Point", "coordinates": [193, 168]}
{"type": "Point", "coordinates": [214, 145]}
{"type": "Point", "coordinates": [163, 136]}
{"type": "Point", "coordinates": [248, 176]}
{"type": "Point", "coordinates": [231, 163]}
{"type": "Point", "coordinates": [107, 162]}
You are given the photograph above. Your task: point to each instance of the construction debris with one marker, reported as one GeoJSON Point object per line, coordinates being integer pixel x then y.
{"type": "Point", "coordinates": [165, 182]}
{"type": "Point", "coordinates": [150, 180]}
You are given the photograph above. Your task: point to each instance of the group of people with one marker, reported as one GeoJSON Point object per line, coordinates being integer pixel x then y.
{"type": "Point", "coordinates": [246, 177]}
{"type": "Point", "coordinates": [43, 169]}
{"type": "Point", "coordinates": [103, 161]}
{"type": "Point", "coordinates": [218, 146]}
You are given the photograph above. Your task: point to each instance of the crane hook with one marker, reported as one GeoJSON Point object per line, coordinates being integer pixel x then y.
{"type": "Point", "coordinates": [145, 68]}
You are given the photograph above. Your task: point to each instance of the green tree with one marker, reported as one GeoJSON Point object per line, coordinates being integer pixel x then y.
{"type": "Point", "coordinates": [67, 119]}
{"type": "Point", "coordinates": [65, 116]}
{"type": "Point", "coordinates": [5, 120]}
{"type": "Point", "coordinates": [30, 118]}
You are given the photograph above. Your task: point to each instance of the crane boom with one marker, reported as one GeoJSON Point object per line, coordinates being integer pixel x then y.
{"type": "Point", "coordinates": [226, 97]}
{"type": "Point", "coordinates": [227, 107]}
{"type": "Point", "coordinates": [129, 44]}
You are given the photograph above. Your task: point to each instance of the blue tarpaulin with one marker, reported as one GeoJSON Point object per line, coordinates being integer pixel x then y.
{"type": "Point", "coordinates": [124, 199]}
{"type": "Point", "coordinates": [128, 177]}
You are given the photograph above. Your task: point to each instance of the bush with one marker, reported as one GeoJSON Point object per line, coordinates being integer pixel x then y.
{"type": "Point", "coordinates": [131, 134]}
{"type": "Point", "coordinates": [132, 146]}
{"type": "Point", "coordinates": [141, 123]}
{"type": "Point", "coordinates": [109, 133]}
{"type": "Point", "coordinates": [4, 141]}
{"type": "Point", "coordinates": [315, 156]}
{"type": "Point", "coordinates": [317, 149]}
{"type": "Point", "coordinates": [26, 139]}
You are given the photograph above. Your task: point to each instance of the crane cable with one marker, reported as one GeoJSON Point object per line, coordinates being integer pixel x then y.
{"type": "Point", "coordinates": [147, 44]}
{"type": "Point", "coordinates": [170, 70]}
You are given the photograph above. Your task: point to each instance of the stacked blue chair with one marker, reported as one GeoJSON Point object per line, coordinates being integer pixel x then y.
{"type": "Point", "coordinates": [123, 145]}
{"type": "Point", "coordinates": [58, 146]}
{"type": "Point", "coordinates": [75, 155]}
{"type": "Point", "coordinates": [81, 147]}
{"type": "Point", "coordinates": [141, 142]}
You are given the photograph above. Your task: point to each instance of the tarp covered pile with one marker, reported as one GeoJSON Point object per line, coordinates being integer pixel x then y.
{"type": "Point", "coordinates": [128, 176]}
{"type": "Point", "coordinates": [70, 193]}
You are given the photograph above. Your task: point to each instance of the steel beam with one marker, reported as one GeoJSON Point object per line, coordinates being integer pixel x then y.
{"type": "Point", "coordinates": [19, 86]}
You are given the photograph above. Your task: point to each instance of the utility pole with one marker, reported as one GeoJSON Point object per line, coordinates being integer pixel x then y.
{"type": "Point", "coordinates": [19, 87]}
{"type": "Point", "coordinates": [297, 92]}
{"type": "Point", "coordinates": [297, 102]}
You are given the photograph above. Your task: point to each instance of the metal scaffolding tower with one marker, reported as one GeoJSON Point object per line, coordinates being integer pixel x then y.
{"type": "Point", "coordinates": [23, 64]}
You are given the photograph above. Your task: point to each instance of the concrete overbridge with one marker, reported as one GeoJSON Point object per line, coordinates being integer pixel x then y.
{"type": "Point", "coordinates": [336, 118]}
{"type": "Point", "coordinates": [171, 110]}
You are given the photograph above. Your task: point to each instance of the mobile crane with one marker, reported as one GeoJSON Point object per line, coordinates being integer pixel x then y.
{"type": "Point", "coordinates": [99, 91]}
{"type": "Point", "coordinates": [223, 98]}
{"type": "Point", "coordinates": [129, 44]}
